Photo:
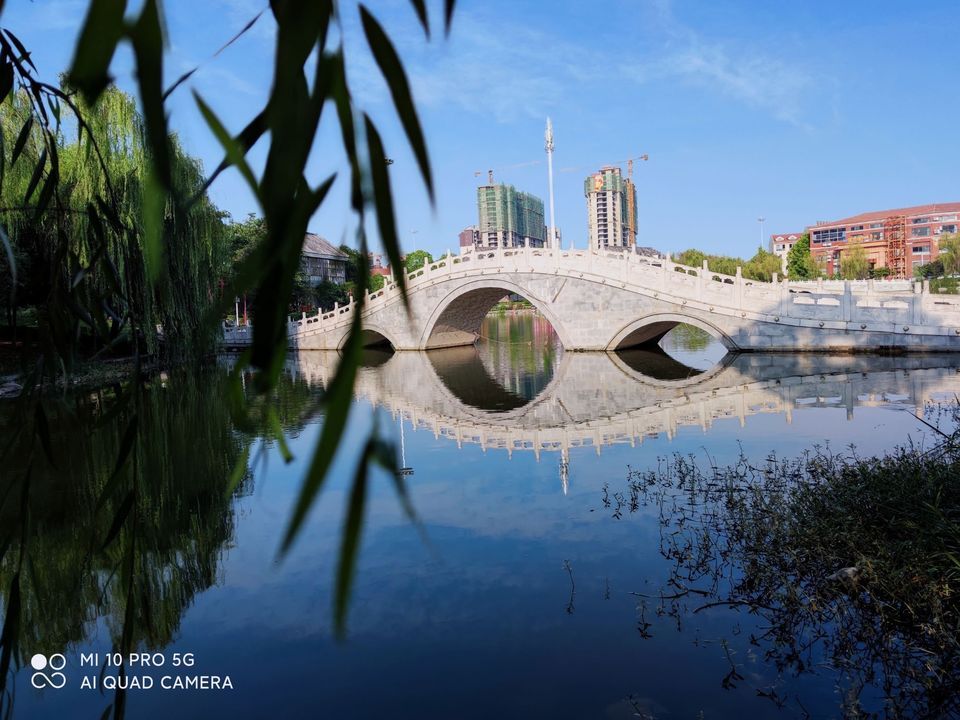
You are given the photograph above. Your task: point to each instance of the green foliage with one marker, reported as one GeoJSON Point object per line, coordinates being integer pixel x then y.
{"type": "Point", "coordinates": [880, 272]}
{"type": "Point", "coordinates": [761, 266]}
{"type": "Point", "coordinates": [692, 257]}
{"type": "Point", "coordinates": [929, 270]}
{"type": "Point", "coordinates": [244, 237]}
{"type": "Point", "coordinates": [950, 253]}
{"type": "Point", "coordinates": [947, 285]}
{"type": "Point", "coordinates": [417, 259]}
{"type": "Point", "coordinates": [800, 262]}
{"type": "Point", "coordinates": [79, 252]}
{"type": "Point", "coordinates": [853, 263]}
{"type": "Point", "coordinates": [327, 294]}
{"type": "Point", "coordinates": [848, 562]}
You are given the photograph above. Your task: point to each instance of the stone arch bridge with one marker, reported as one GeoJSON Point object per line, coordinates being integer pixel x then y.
{"type": "Point", "coordinates": [608, 301]}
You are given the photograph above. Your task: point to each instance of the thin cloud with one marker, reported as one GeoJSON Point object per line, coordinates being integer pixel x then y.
{"type": "Point", "coordinates": [527, 72]}
{"type": "Point", "coordinates": [757, 80]}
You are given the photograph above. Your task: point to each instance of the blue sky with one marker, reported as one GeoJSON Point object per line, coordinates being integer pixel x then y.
{"type": "Point", "coordinates": [797, 112]}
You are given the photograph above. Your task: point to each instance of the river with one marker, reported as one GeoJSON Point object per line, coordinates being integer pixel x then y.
{"type": "Point", "coordinates": [533, 584]}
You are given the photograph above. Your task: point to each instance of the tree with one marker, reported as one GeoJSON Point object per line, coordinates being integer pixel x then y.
{"type": "Point", "coordinates": [853, 263]}
{"type": "Point", "coordinates": [762, 266]}
{"type": "Point", "coordinates": [800, 262]}
{"type": "Point", "coordinates": [327, 294]}
{"type": "Point", "coordinates": [245, 236]}
{"type": "Point", "coordinates": [950, 253]}
{"type": "Point", "coordinates": [691, 257]}
{"type": "Point", "coordinates": [881, 272]}
{"type": "Point", "coordinates": [417, 259]}
{"type": "Point", "coordinates": [932, 269]}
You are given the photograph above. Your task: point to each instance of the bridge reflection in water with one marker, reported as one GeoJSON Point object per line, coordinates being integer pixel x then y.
{"type": "Point", "coordinates": [598, 399]}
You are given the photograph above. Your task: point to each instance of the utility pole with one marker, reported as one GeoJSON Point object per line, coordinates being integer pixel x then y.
{"type": "Point", "coordinates": [548, 136]}
{"type": "Point", "coordinates": [760, 220]}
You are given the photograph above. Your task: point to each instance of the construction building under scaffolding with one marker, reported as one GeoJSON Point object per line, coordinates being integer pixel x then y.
{"type": "Point", "coordinates": [507, 218]}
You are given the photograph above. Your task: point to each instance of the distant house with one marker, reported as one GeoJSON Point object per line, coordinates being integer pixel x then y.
{"type": "Point", "coordinates": [321, 261]}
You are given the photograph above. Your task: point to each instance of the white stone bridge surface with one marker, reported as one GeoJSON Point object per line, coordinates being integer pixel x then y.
{"type": "Point", "coordinates": [606, 301]}
{"type": "Point", "coordinates": [597, 399]}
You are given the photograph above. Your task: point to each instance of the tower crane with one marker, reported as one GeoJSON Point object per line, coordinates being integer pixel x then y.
{"type": "Point", "coordinates": [628, 161]}
{"type": "Point", "coordinates": [489, 172]}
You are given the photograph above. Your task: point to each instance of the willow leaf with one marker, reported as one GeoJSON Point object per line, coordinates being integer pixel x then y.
{"type": "Point", "coordinates": [154, 200]}
{"type": "Point", "coordinates": [21, 140]}
{"type": "Point", "coordinates": [238, 473]}
{"type": "Point", "coordinates": [126, 446]}
{"type": "Point", "coordinates": [383, 204]}
{"type": "Point", "coordinates": [11, 630]}
{"type": "Point", "coordinates": [392, 70]}
{"type": "Point", "coordinates": [338, 401]}
{"type": "Point", "coordinates": [6, 78]}
{"type": "Point", "coordinates": [448, 6]}
{"type": "Point", "coordinates": [50, 184]}
{"type": "Point", "coordinates": [147, 37]}
{"type": "Point", "coordinates": [12, 262]}
{"type": "Point", "coordinates": [119, 518]}
{"type": "Point", "coordinates": [235, 152]}
{"type": "Point", "coordinates": [102, 31]}
{"type": "Point", "coordinates": [277, 429]}
{"type": "Point", "coordinates": [43, 431]}
{"type": "Point", "coordinates": [35, 178]}
{"type": "Point", "coordinates": [24, 54]}
{"type": "Point", "coordinates": [347, 566]}
{"type": "Point", "coordinates": [420, 7]}
{"type": "Point", "coordinates": [245, 140]}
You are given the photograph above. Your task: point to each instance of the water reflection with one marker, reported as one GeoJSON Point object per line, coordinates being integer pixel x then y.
{"type": "Point", "coordinates": [596, 399]}
{"type": "Point", "coordinates": [87, 548]}
{"type": "Point", "coordinates": [518, 581]}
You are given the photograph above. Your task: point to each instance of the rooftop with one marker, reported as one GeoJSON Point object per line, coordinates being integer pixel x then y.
{"type": "Point", "coordinates": [316, 246]}
{"type": "Point", "coordinates": [950, 207]}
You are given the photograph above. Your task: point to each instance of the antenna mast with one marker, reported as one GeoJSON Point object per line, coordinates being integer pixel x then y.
{"type": "Point", "coordinates": [548, 136]}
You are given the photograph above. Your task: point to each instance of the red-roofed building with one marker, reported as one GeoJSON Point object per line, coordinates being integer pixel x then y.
{"type": "Point", "coordinates": [781, 243]}
{"type": "Point", "coordinates": [900, 239]}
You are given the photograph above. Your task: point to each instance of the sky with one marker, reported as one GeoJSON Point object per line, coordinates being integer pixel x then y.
{"type": "Point", "coordinates": [794, 112]}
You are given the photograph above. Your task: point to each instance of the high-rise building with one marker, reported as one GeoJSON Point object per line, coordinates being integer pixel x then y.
{"type": "Point", "coordinates": [508, 218]}
{"type": "Point", "coordinates": [611, 209]}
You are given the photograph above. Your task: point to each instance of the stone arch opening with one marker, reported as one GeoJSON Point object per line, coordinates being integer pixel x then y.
{"type": "Point", "coordinates": [372, 338]}
{"type": "Point", "coordinates": [458, 318]}
{"type": "Point", "coordinates": [649, 331]}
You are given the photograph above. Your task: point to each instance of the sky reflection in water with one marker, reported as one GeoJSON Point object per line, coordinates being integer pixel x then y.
{"type": "Point", "coordinates": [519, 603]}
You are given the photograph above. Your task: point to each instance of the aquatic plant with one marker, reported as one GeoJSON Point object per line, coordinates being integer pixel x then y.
{"type": "Point", "coordinates": [851, 563]}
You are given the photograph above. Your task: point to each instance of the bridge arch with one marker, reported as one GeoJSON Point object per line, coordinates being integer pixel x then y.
{"type": "Point", "coordinates": [650, 329]}
{"type": "Point", "coordinates": [457, 318]}
{"type": "Point", "coordinates": [372, 335]}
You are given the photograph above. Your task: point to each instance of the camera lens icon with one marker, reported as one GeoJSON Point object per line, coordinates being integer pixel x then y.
{"type": "Point", "coordinates": [54, 679]}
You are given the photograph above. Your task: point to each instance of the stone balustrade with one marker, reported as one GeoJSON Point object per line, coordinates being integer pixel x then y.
{"type": "Point", "coordinates": [577, 288]}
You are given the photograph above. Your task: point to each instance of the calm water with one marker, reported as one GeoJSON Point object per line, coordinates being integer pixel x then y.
{"type": "Point", "coordinates": [519, 598]}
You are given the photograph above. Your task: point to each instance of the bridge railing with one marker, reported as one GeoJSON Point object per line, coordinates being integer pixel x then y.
{"type": "Point", "coordinates": [867, 302]}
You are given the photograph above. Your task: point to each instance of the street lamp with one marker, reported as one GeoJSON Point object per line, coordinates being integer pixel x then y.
{"type": "Point", "coordinates": [760, 220]}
